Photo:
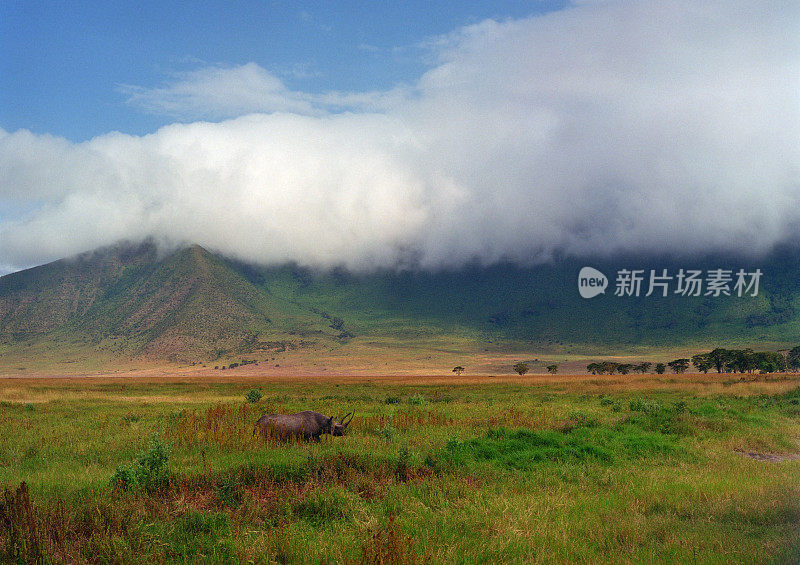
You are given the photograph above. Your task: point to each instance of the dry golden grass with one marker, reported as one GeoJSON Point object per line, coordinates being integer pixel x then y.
{"type": "Point", "coordinates": [38, 389]}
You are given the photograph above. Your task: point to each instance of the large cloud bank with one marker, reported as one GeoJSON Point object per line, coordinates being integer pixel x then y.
{"type": "Point", "coordinates": [606, 127]}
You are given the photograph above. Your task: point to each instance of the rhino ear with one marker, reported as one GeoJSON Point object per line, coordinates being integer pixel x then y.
{"type": "Point", "coordinates": [330, 422]}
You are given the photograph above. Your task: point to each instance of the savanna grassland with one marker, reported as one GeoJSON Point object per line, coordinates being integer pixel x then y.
{"type": "Point", "coordinates": [557, 468]}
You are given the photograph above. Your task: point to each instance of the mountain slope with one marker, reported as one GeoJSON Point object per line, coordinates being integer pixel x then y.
{"type": "Point", "coordinates": [184, 306]}
{"type": "Point", "coordinates": [191, 305]}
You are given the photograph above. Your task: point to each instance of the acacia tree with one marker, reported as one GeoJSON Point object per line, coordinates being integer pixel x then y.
{"type": "Point", "coordinates": [552, 369]}
{"type": "Point", "coordinates": [521, 368]}
{"type": "Point", "coordinates": [793, 358]}
{"type": "Point", "coordinates": [679, 365]}
{"type": "Point", "coordinates": [660, 368]}
{"type": "Point", "coordinates": [702, 362]}
{"type": "Point", "coordinates": [719, 357]}
{"type": "Point", "coordinates": [458, 370]}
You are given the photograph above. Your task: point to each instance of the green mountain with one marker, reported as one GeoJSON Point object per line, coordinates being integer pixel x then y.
{"type": "Point", "coordinates": [130, 302]}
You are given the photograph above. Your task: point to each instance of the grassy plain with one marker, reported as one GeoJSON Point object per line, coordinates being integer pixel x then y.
{"type": "Point", "coordinates": [439, 469]}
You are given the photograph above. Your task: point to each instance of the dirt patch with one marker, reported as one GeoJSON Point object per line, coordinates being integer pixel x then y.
{"type": "Point", "coordinates": [771, 457]}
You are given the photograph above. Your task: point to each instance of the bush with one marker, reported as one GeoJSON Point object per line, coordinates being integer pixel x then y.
{"type": "Point", "coordinates": [417, 400]}
{"type": "Point", "coordinates": [124, 477]}
{"type": "Point", "coordinates": [646, 406]}
{"type": "Point", "coordinates": [253, 395]}
{"type": "Point", "coordinates": [392, 400]}
{"type": "Point", "coordinates": [149, 472]}
{"type": "Point", "coordinates": [152, 473]}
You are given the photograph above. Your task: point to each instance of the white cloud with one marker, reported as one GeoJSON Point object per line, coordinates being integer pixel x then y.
{"type": "Point", "coordinates": [609, 126]}
{"type": "Point", "coordinates": [219, 92]}
{"type": "Point", "coordinates": [215, 92]}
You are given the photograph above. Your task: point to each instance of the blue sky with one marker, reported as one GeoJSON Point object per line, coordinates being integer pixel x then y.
{"type": "Point", "coordinates": [383, 135]}
{"type": "Point", "coordinates": [62, 63]}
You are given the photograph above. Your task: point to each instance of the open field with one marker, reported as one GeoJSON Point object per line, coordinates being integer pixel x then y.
{"type": "Point", "coordinates": [436, 355]}
{"type": "Point", "coordinates": [441, 469]}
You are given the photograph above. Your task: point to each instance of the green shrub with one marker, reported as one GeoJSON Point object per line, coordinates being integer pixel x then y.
{"type": "Point", "coordinates": [149, 472]}
{"type": "Point", "coordinates": [152, 472]}
{"type": "Point", "coordinates": [253, 395]}
{"type": "Point", "coordinates": [643, 405]}
{"type": "Point", "coordinates": [392, 400]}
{"type": "Point", "coordinates": [417, 400]}
{"type": "Point", "coordinates": [124, 477]}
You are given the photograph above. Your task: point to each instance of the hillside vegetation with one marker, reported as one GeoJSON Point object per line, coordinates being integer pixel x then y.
{"type": "Point", "coordinates": [129, 303]}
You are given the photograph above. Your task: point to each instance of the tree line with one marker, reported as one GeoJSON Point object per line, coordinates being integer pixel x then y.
{"type": "Point", "coordinates": [720, 359]}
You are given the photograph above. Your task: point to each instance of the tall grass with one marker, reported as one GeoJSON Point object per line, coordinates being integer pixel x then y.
{"type": "Point", "coordinates": [476, 473]}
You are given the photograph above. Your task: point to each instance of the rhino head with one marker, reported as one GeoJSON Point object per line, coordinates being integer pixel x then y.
{"type": "Point", "coordinates": [339, 428]}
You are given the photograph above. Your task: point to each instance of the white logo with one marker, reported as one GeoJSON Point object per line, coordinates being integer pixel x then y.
{"type": "Point", "coordinates": [591, 282]}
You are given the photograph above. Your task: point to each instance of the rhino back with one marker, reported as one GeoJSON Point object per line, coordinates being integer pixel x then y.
{"type": "Point", "coordinates": [306, 423]}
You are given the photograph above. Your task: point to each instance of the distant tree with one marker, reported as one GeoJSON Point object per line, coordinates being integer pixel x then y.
{"type": "Point", "coordinates": [793, 358]}
{"type": "Point", "coordinates": [702, 362]}
{"type": "Point", "coordinates": [741, 361]}
{"type": "Point", "coordinates": [642, 367]}
{"type": "Point", "coordinates": [521, 368]}
{"type": "Point", "coordinates": [608, 367]}
{"type": "Point", "coordinates": [661, 368]}
{"type": "Point", "coordinates": [458, 370]}
{"type": "Point", "coordinates": [552, 369]}
{"type": "Point", "coordinates": [624, 368]}
{"type": "Point", "coordinates": [769, 361]}
{"type": "Point", "coordinates": [719, 357]}
{"type": "Point", "coordinates": [679, 365]}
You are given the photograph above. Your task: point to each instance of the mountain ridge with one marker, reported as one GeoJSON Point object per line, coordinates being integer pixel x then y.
{"type": "Point", "coordinates": [191, 305]}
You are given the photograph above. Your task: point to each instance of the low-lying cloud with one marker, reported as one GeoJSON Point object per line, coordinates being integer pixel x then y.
{"type": "Point", "coordinates": [606, 127]}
